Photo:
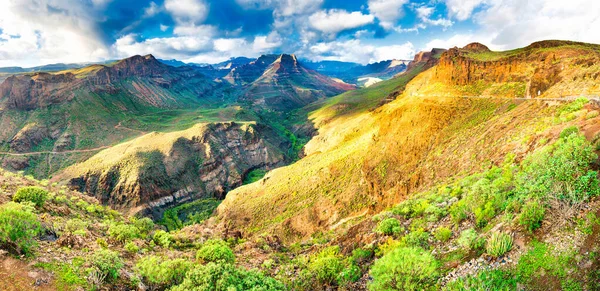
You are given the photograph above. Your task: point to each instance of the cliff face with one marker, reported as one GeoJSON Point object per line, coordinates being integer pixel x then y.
{"type": "Point", "coordinates": [156, 171]}
{"type": "Point", "coordinates": [539, 66]}
{"type": "Point", "coordinates": [28, 92]}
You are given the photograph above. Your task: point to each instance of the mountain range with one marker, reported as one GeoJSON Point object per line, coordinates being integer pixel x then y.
{"type": "Point", "coordinates": [462, 169]}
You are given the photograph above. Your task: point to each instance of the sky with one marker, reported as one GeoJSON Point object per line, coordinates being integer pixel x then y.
{"type": "Point", "coordinates": [37, 32]}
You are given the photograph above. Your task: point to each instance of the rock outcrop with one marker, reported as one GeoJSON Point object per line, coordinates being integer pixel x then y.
{"type": "Point", "coordinates": [156, 171]}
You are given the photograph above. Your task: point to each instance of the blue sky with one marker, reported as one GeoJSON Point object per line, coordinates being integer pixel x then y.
{"type": "Point", "coordinates": [34, 32]}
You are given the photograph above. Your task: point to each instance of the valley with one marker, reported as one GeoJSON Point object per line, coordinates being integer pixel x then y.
{"type": "Point", "coordinates": [463, 169]}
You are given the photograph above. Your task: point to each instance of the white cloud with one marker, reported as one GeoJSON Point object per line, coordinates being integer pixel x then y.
{"type": "Point", "coordinates": [181, 47]}
{"type": "Point", "coordinates": [263, 44]}
{"type": "Point", "coordinates": [387, 11]}
{"type": "Point", "coordinates": [424, 14]}
{"type": "Point", "coordinates": [151, 10]}
{"type": "Point", "coordinates": [283, 8]}
{"type": "Point", "coordinates": [508, 24]}
{"type": "Point", "coordinates": [48, 32]}
{"type": "Point", "coordinates": [462, 9]}
{"type": "Point", "coordinates": [334, 20]}
{"type": "Point", "coordinates": [187, 11]}
{"type": "Point", "coordinates": [356, 51]}
{"type": "Point", "coordinates": [163, 27]}
{"type": "Point", "coordinates": [207, 31]}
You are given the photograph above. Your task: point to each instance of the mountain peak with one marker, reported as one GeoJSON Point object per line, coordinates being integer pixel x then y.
{"type": "Point", "coordinates": [475, 46]}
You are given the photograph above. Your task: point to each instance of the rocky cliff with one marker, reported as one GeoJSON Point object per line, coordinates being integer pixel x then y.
{"type": "Point", "coordinates": [537, 67]}
{"type": "Point", "coordinates": [158, 170]}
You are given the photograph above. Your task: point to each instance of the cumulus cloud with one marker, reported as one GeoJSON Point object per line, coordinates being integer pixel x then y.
{"type": "Point", "coordinates": [333, 21]}
{"type": "Point", "coordinates": [49, 32]}
{"type": "Point", "coordinates": [387, 11]}
{"type": "Point", "coordinates": [283, 8]}
{"type": "Point", "coordinates": [151, 10]}
{"type": "Point", "coordinates": [356, 51]}
{"type": "Point", "coordinates": [424, 13]}
{"type": "Point", "coordinates": [187, 11]}
{"type": "Point", "coordinates": [508, 24]}
{"type": "Point", "coordinates": [462, 9]}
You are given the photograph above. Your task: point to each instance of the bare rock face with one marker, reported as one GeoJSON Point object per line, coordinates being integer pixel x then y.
{"type": "Point", "coordinates": [477, 47]}
{"type": "Point", "coordinates": [27, 92]}
{"type": "Point", "coordinates": [207, 163]}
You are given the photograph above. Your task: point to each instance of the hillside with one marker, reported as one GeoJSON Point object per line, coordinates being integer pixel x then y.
{"type": "Point", "coordinates": [362, 75]}
{"type": "Point", "coordinates": [159, 170]}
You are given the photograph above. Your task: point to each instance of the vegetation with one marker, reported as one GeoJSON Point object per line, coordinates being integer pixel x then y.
{"type": "Point", "coordinates": [389, 226]}
{"type": "Point", "coordinates": [33, 194]}
{"type": "Point", "coordinates": [499, 243]}
{"type": "Point", "coordinates": [160, 273]}
{"type": "Point", "coordinates": [215, 251]}
{"type": "Point", "coordinates": [19, 227]}
{"type": "Point", "coordinates": [404, 269]}
{"type": "Point", "coordinates": [108, 263]}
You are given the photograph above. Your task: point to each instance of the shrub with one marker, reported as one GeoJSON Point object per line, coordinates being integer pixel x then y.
{"type": "Point", "coordinates": [226, 277]}
{"type": "Point", "coordinates": [404, 268]}
{"type": "Point", "coordinates": [349, 274]}
{"type": "Point", "coordinates": [467, 239]}
{"type": "Point", "coordinates": [215, 251]}
{"type": "Point", "coordinates": [160, 273]}
{"type": "Point", "coordinates": [418, 238]}
{"type": "Point", "coordinates": [498, 244]}
{"type": "Point", "coordinates": [123, 232]}
{"type": "Point", "coordinates": [326, 265]}
{"type": "Point", "coordinates": [565, 133]}
{"type": "Point", "coordinates": [443, 234]}
{"type": "Point", "coordinates": [459, 211]}
{"type": "Point", "coordinates": [542, 261]}
{"type": "Point", "coordinates": [101, 243]}
{"type": "Point", "coordinates": [18, 228]}
{"type": "Point", "coordinates": [76, 226]}
{"type": "Point", "coordinates": [107, 262]}
{"type": "Point", "coordinates": [144, 225]}
{"type": "Point", "coordinates": [35, 195]}
{"type": "Point", "coordinates": [162, 238]}
{"type": "Point", "coordinates": [531, 215]}
{"type": "Point", "coordinates": [131, 247]}
{"type": "Point", "coordinates": [389, 226]}
{"type": "Point", "coordinates": [361, 255]}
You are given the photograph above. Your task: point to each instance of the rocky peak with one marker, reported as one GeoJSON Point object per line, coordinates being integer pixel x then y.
{"type": "Point", "coordinates": [477, 47]}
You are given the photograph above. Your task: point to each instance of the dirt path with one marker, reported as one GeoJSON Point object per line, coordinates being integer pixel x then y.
{"type": "Point", "coordinates": [56, 152]}
{"type": "Point", "coordinates": [16, 275]}
{"type": "Point", "coordinates": [120, 126]}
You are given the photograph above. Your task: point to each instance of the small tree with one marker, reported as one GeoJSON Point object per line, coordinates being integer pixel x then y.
{"type": "Point", "coordinates": [18, 228]}
{"type": "Point", "coordinates": [35, 195]}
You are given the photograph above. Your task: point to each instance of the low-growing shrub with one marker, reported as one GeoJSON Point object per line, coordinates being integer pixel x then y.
{"type": "Point", "coordinates": [418, 238]}
{"type": "Point", "coordinates": [389, 226]}
{"type": "Point", "coordinates": [123, 232]}
{"type": "Point", "coordinates": [108, 263]}
{"type": "Point", "coordinates": [76, 226]}
{"type": "Point", "coordinates": [404, 268]}
{"type": "Point", "coordinates": [499, 243]}
{"type": "Point", "coordinates": [226, 277]}
{"type": "Point", "coordinates": [18, 228]}
{"type": "Point", "coordinates": [160, 273]}
{"type": "Point", "coordinates": [144, 225]}
{"type": "Point", "coordinates": [443, 234]}
{"type": "Point", "coordinates": [162, 238]}
{"type": "Point", "coordinates": [485, 280]}
{"type": "Point", "coordinates": [35, 195]}
{"type": "Point", "coordinates": [459, 211]}
{"type": "Point", "coordinates": [531, 216]}
{"type": "Point", "coordinates": [468, 239]}
{"type": "Point", "coordinates": [326, 265]}
{"type": "Point", "coordinates": [215, 251]}
{"type": "Point", "coordinates": [131, 247]}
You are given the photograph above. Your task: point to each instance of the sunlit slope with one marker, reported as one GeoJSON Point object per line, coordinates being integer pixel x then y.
{"type": "Point", "coordinates": [159, 170]}
{"type": "Point", "coordinates": [366, 160]}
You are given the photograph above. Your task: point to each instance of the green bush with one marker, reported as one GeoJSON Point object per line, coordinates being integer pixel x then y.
{"type": "Point", "coordinates": [226, 277]}
{"type": "Point", "coordinates": [19, 227]}
{"type": "Point", "coordinates": [350, 273]}
{"type": "Point", "coordinates": [458, 211]}
{"type": "Point", "coordinates": [107, 262]}
{"type": "Point", "coordinates": [542, 261]}
{"type": "Point", "coordinates": [326, 265]}
{"type": "Point", "coordinates": [215, 251]}
{"type": "Point", "coordinates": [468, 239]}
{"type": "Point", "coordinates": [443, 234]}
{"type": "Point", "coordinates": [123, 232]}
{"type": "Point", "coordinates": [76, 226]}
{"type": "Point", "coordinates": [389, 226]}
{"type": "Point", "coordinates": [35, 195]}
{"type": "Point", "coordinates": [131, 247]}
{"type": "Point", "coordinates": [162, 238]}
{"type": "Point", "coordinates": [498, 244]}
{"type": "Point", "coordinates": [404, 268]}
{"type": "Point", "coordinates": [144, 225]}
{"type": "Point", "coordinates": [418, 238]}
{"type": "Point", "coordinates": [565, 133]}
{"type": "Point", "coordinates": [160, 273]}
{"type": "Point", "coordinates": [531, 215]}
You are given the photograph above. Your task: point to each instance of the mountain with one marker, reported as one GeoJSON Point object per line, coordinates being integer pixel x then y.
{"type": "Point", "coordinates": [366, 158]}
{"type": "Point", "coordinates": [285, 84]}
{"type": "Point", "coordinates": [159, 170]}
{"type": "Point", "coordinates": [233, 63]}
{"type": "Point", "coordinates": [81, 109]}
{"type": "Point", "coordinates": [173, 62]}
{"type": "Point", "coordinates": [363, 75]}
